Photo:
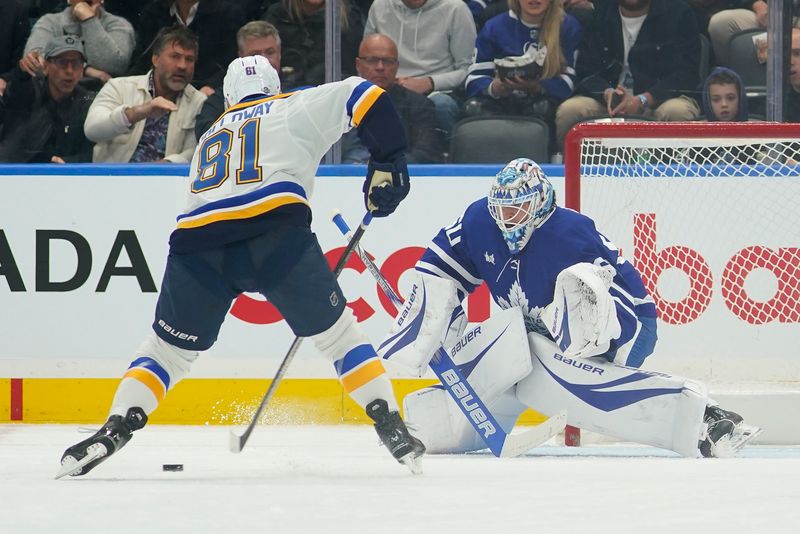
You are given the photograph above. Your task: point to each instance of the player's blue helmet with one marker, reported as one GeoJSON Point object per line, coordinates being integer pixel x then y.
{"type": "Point", "coordinates": [251, 75]}
{"type": "Point", "coordinates": [521, 199]}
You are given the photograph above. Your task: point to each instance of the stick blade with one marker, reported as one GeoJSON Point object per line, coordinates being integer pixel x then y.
{"type": "Point", "coordinates": [516, 444]}
{"type": "Point", "coordinates": [236, 442]}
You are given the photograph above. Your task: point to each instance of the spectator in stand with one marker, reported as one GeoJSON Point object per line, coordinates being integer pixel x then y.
{"type": "Point", "coordinates": [130, 10]}
{"type": "Point", "coordinates": [483, 10]}
{"type": "Point", "coordinates": [751, 14]}
{"type": "Point", "coordinates": [42, 115]}
{"type": "Point", "coordinates": [377, 62]}
{"type": "Point", "coordinates": [705, 9]}
{"type": "Point", "coordinates": [215, 23]}
{"type": "Point", "coordinates": [526, 28]}
{"type": "Point", "coordinates": [639, 57]}
{"type": "Point", "coordinates": [150, 117]}
{"type": "Point", "coordinates": [301, 24]}
{"type": "Point", "coordinates": [580, 9]}
{"type": "Point", "coordinates": [724, 99]}
{"type": "Point", "coordinates": [108, 39]}
{"type": "Point", "coordinates": [256, 38]}
{"type": "Point", "coordinates": [435, 41]}
{"type": "Point", "coordinates": [14, 30]}
{"type": "Point", "coordinates": [792, 112]}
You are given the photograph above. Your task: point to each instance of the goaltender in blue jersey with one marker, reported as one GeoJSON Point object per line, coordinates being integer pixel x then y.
{"type": "Point", "coordinates": [520, 266]}
{"type": "Point", "coordinates": [575, 326]}
{"type": "Point", "coordinates": [246, 227]}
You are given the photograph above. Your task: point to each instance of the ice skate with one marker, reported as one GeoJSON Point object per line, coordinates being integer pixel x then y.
{"type": "Point", "coordinates": [86, 455]}
{"type": "Point", "coordinates": [406, 449]}
{"type": "Point", "coordinates": [726, 433]}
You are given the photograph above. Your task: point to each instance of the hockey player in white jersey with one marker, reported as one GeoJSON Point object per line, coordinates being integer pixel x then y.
{"type": "Point", "coordinates": [576, 326]}
{"type": "Point", "coordinates": [246, 227]}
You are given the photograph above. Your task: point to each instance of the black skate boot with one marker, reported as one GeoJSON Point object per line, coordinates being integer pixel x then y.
{"type": "Point", "coordinates": [86, 455]}
{"type": "Point", "coordinates": [722, 425]}
{"type": "Point", "coordinates": [395, 436]}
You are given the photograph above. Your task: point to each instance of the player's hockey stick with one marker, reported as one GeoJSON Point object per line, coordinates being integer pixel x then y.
{"type": "Point", "coordinates": [498, 440]}
{"type": "Point", "coordinates": [238, 442]}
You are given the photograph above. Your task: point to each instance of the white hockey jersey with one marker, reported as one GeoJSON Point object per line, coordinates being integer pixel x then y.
{"type": "Point", "coordinates": [261, 156]}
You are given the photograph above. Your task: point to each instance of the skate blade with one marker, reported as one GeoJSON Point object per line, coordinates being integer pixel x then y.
{"type": "Point", "coordinates": [728, 446]}
{"type": "Point", "coordinates": [70, 466]}
{"type": "Point", "coordinates": [413, 462]}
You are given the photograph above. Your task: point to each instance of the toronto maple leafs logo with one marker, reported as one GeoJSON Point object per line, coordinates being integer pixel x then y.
{"type": "Point", "coordinates": [489, 257]}
{"type": "Point", "coordinates": [532, 316]}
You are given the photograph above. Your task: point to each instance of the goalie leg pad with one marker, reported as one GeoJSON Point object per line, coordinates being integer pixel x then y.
{"type": "Point", "coordinates": [420, 325]}
{"type": "Point", "coordinates": [493, 356]}
{"type": "Point", "coordinates": [582, 317]}
{"type": "Point", "coordinates": [433, 418]}
{"type": "Point", "coordinates": [157, 367]}
{"type": "Point", "coordinates": [625, 403]}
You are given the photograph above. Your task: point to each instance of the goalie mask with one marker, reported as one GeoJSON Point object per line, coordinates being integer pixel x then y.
{"type": "Point", "coordinates": [251, 75]}
{"type": "Point", "coordinates": [521, 199]}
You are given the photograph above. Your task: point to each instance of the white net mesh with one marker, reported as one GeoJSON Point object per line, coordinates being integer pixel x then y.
{"type": "Point", "coordinates": [713, 225]}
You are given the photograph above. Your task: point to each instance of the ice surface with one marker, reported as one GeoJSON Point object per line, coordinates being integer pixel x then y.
{"type": "Point", "coordinates": [332, 479]}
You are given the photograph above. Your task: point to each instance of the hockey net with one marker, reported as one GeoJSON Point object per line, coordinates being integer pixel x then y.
{"type": "Point", "coordinates": [708, 213]}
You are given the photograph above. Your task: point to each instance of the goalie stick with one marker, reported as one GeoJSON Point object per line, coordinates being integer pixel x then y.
{"type": "Point", "coordinates": [238, 442]}
{"type": "Point", "coordinates": [499, 442]}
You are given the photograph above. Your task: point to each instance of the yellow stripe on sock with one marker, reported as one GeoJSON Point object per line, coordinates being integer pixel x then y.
{"type": "Point", "coordinates": [148, 379]}
{"type": "Point", "coordinates": [369, 371]}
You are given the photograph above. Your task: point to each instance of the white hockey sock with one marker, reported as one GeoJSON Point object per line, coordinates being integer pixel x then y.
{"type": "Point", "coordinates": [158, 367]}
{"type": "Point", "coordinates": [363, 378]}
{"type": "Point", "coordinates": [131, 392]}
{"type": "Point", "coordinates": [357, 364]}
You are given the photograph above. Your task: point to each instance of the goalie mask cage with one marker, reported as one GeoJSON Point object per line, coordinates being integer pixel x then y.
{"type": "Point", "coordinates": [709, 213]}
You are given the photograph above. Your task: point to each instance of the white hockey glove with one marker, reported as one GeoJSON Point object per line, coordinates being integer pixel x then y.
{"type": "Point", "coordinates": [582, 317]}
{"type": "Point", "coordinates": [420, 326]}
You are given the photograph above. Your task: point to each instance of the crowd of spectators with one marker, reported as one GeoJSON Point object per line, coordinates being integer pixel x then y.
{"type": "Point", "coordinates": [140, 80]}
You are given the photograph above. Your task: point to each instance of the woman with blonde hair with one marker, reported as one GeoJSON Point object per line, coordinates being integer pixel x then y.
{"type": "Point", "coordinates": [531, 31]}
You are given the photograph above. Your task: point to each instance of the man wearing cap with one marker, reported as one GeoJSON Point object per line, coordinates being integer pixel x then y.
{"type": "Point", "coordinates": [109, 39]}
{"type": "Point", "coordinates": [42, 116]}
{"type": "Point", "coordinates": [150, 118]}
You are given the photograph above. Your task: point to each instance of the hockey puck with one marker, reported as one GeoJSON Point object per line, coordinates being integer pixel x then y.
{"type": "Point", "coordinates": [172, 467]}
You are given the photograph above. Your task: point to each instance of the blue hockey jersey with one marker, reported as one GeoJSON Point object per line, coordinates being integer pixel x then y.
{"type": "Point", "coordinates": [506, 35]}
{"type": "Point", "coordinates": [472, 250]}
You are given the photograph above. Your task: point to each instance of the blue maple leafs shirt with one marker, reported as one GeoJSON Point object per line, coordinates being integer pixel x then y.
{"type": "Point", "coordinates": [472, 250]}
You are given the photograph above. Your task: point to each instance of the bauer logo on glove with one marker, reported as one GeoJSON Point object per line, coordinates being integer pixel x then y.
{"type": "Point", "coordinates": [386, 185]}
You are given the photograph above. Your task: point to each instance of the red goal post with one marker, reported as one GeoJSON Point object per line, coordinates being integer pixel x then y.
{"type": "Point", "coordinates": [709, 213]}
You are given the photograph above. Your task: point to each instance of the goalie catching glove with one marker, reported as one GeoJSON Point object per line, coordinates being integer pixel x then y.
{"type": "Point", "coordinates": [386, 185]}
{"type": "Point", "coordinates": [583, 316]}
